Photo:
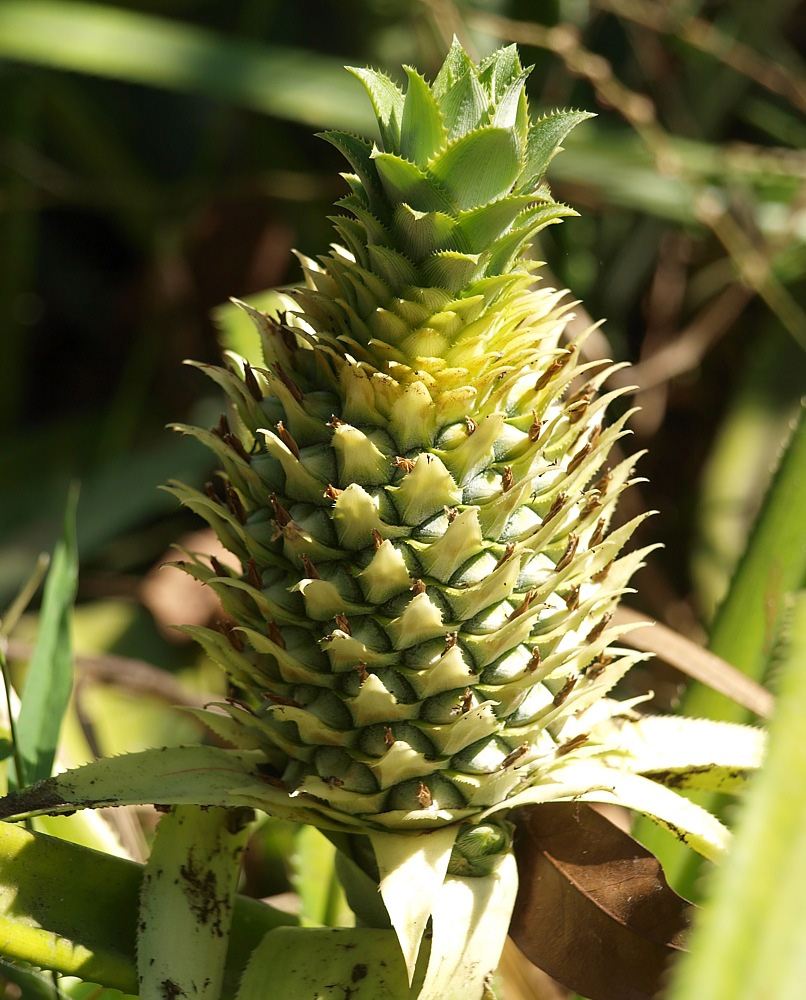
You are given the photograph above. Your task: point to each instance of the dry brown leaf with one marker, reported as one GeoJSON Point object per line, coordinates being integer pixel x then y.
{"type": "Point", "coordinates": [594, 909]}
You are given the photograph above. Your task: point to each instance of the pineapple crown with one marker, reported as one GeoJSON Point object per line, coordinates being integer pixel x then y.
{"type": "Point", "coordinates": [440, 209]}
{"type": "Point", "coordinates": [454, 192]}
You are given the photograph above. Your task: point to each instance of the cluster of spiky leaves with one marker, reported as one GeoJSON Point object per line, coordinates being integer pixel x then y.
{"type": "Point", "coordinates": [410, 483]}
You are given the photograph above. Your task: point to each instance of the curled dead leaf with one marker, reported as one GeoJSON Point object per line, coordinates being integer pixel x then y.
{"type": "Point", "coordinates": [594, 909]}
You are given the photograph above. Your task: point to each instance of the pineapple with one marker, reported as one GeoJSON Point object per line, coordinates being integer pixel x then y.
{"type": "Point", "coordinates": [410, 486]}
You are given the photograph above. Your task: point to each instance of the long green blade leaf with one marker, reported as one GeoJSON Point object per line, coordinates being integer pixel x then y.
{"type": "Point", "coordinates": [749, 942]}
{"type": "Point", "coordinates": [773, 567]}
{"type": "Point", "coordinates": [126, 45]}
{"type": "Point", "coordinates": [50, 675]}
{"type": "Point", "coordinates": [749, 622]}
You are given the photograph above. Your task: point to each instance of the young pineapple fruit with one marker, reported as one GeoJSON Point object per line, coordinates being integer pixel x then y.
{"type": "Point", "coordinates": [410, 483]}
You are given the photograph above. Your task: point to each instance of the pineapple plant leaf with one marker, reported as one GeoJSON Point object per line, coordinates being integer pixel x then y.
{"type": "Point", "coordinates": [415, 484]}
{"type": "Point", "coordinates": [186, 901]}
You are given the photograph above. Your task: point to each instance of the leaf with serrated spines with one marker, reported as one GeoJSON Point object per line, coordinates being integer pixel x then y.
{"type": "Point", "coordinates": [359, 154]}
{"type": "Point", "coordinates": [512, 111]}
{"type": "Point", "coordinates": [688, 753]}
{"type": "Point", "coordinates": [405, 181]}
{"type": "Point", "coordinates": [450, 269]}
{"type": "Point", "coordinates": [478, 228]}
{"type": "Point", "coordinates": [423, 132]}
{"type": "Point", "coordinates": [457, 62]}
{"type": "Point", "coordinates": [478, 167]}
{"type": "Point", "coordinates": [419, 234]}
{"type": "Point", "coordinates": [387, 100]}
{"type": "Point", "coordinates": [499, 69]}
{"type": "Point", "coordinates": [543, 144]}
{"type": "Point", "coordinates": [465, 106]}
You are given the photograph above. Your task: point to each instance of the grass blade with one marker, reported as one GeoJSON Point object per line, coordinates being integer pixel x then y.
{"type": "Point", "coordinates": [139, 48]}
{"type": "Point", "coordinates": [748, 624]}
{"type": "Point", "coordinates": [50, 675]}
{"type": "Point", "coordinates": [772, 568]}
{"type": "Point", "coordinates": [736, 956]}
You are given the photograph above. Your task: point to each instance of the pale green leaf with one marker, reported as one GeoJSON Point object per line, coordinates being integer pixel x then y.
{"type": "Point", "coordinates": [543, 143]}
{"type": "Point", "coordinates": [588, 781]}
{"type": "Point", "coordinates": [387, 100]}
{"type": "Point", "coordinates": [478, 228]}
{"type": "Point", "coordinates": [457, 62]}
{"type": "Point", "coordinates": [239, 323]}
{"type": "Point", "coordinates": [478, 167]}
{"type": "Point", "coordinates": [49, 681]}
{"type": "Point", "coordinates": [404, 182]}
{"type": "Point", "coordinates": [412, 869]}
{"type": "Point", "coordinates": [465, 106]}
{"type": "Point", "coordinates": [499, 69]}
{"type": "Point", "coordinates": [186, 901]}
{"type": "Point", "coordinates": [191, 775]}
{"type": "Point", "coordinates": [470, 921]}
{"type": "Point", "coordinates": [359, 154]}
{"type": "Point", "coordinates": [512, 112]}
{"type": "Point", "coordinates": [376, 232]}
{"type": "Point", "coordinates": [423, 131]}
{"type": "Point", "coordinates": [307, 963]}
{"type": "Point", "coordinates": [506, 249]}
{"type": "Point", "coordinates": [450, 270]}
{"type": "Point", "coordinates": [396, 270]}
{"type": "Point", "coordinates": [421, 233]}
{"type": "Point", "coordinates": [687, 753]}
{"type": "Point", "coordinates": [748, 942]}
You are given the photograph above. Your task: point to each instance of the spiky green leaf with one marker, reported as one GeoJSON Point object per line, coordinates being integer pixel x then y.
{"type": "Point", "coordinates": [423, 131]}
{"type": "Point", "coordinates": [404, 181]}
{"type": "Point", "coordinates": [466, 105]}
{"type": "Point", "coordinates": [387, 100]}
{"type": "Point", "coordinates": [543, 144]}
{"type": "Point", "coordinates": [477, 167]}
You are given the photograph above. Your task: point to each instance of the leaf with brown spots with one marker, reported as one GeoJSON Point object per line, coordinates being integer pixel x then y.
{"type": "Point", "coordinates": [594, 909]}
